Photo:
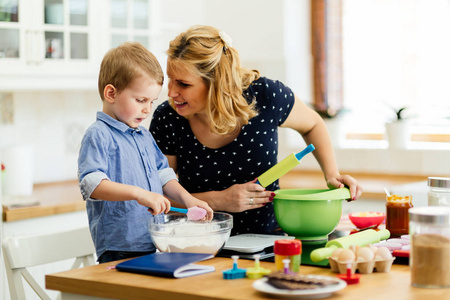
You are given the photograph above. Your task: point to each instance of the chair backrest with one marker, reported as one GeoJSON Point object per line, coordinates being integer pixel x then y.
{"type": "Point", "coordinates": [27, 251]}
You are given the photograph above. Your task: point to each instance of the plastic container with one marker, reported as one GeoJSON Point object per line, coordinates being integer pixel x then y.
{"type": "Point", "coordinates": [430, 246]}
{"type": "Point", "coordinates": [366, 219]}
{"type": "Point", "coordinates": [309, 214]}
{"type": "Point", "coordinates": [288, 249]}
{"type": "Point", "coordinates": [439, 191]}
{"type": "Point", "coordinates": [397, 218]}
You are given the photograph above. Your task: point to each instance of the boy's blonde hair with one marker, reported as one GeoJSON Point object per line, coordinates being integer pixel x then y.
{"type": "Point", "coordinates": [202, 51]}
{"type": "Point", "coordinates": [123, 64]}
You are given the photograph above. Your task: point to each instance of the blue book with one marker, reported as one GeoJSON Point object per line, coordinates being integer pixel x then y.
{"type": "Point", "coordinates": [167, 264]}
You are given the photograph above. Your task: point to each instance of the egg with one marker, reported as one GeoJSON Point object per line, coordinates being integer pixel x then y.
{"type": "Point", "coordinates": [383, 253]}
{"type": "Point", "coordinates": [364, 254]}
{"type": "Point", "coordinates": [354, 248]}
{"type": "Point", "coordinates": [346, 255]}
{"type": "Point", "coordinates": [335, 254]}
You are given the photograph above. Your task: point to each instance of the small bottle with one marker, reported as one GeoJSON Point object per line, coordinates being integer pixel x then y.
{"type": "Point", "coordinates": [288, 249]}
{"type": "Point", "coordinates": [430, 246]}
{"type": "Point", "coordinates": [397, 218]}
{"type": "Point", "coordinates": [439, 191]}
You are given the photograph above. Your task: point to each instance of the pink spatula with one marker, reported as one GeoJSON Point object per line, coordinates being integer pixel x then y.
{"type": "Point", "coordinates": [193, 213]}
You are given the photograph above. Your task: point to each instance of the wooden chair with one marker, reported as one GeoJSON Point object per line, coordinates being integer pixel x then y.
{"type": "Point", "coordinates": [23, 252]}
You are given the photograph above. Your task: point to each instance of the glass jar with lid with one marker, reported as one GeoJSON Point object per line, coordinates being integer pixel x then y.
{"type": "Point", "coordinates": [429, 229]}
{"type": "Point", "coordinates": [397, 218]}
{"type": "Point", "coordinates": [439, 191]}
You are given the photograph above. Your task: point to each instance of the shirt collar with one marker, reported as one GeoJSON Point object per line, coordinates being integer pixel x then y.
{"type": "Point", "coordinates": [110, 121]}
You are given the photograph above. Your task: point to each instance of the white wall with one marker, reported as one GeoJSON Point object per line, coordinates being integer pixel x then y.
{"type": "Point", "coordinates": [53, 123]}
{"type": "Point", "coordinates": [256, 28]}
{"type": "Point", "coordinates": [271, 36]}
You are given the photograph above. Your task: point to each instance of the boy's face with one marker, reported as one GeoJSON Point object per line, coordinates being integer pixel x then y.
{"type": "Point", "coordinates": [134, 104]}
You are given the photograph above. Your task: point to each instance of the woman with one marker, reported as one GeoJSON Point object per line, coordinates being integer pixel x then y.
{"type": "Point", "coordinates": [219, 129]}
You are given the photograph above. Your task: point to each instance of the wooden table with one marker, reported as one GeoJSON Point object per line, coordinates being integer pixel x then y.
{"type": "Point", "coordinates": [100, 281]}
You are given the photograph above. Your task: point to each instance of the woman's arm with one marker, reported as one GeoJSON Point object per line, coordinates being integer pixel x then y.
{"type": "Point", "coordinates": [310, 125]}
{"type": "Point", "coordinates": [314, 131]}
{"type": "Point", "coordinates": [236, 198]}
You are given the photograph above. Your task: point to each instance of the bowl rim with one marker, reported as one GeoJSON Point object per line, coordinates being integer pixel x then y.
{"type": "Point", "coordinates": [312, 194]}
{"type": "Point", "coordinates": [380, 214]}
{"type": "Point", "coordinates": [228, 223]}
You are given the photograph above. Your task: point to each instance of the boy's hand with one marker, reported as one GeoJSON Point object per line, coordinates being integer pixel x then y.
{"type": "Point", "coordinates": [177, 193]}
{"type": "Point", "coordinates": [197, 202]}
{"type": "Point", "coordinates": [156, 203]}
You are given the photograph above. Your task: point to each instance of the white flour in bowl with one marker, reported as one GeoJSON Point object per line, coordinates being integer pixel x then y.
{"type": "Point", "coordinates": [185, 236]}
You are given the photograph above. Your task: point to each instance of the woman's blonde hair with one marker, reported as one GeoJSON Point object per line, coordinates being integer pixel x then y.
{"type": "Point", "coordinates": [126, 62]}
{"type": "Point", "coordinates": [201, 50]}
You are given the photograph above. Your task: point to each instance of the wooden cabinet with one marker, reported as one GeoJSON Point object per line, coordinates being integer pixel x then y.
{"type": "Point", "coordinates": [59, 44]}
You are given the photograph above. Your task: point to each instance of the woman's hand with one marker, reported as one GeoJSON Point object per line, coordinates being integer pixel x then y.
{"type": "Point", "coordinates": [340, 181]}
{"type": "Point", "coordinates": [241, 197]}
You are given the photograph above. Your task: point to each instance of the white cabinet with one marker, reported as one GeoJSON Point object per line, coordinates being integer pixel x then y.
{"type": "Point", "coordinates": [59, 44]}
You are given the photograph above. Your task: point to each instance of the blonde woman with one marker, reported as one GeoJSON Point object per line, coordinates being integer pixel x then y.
{"type": "Point", "coordinates": [219, 129]}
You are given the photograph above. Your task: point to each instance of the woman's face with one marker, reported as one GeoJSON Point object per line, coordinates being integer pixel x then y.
{"type": "Point", "coordinates": [188, 92]}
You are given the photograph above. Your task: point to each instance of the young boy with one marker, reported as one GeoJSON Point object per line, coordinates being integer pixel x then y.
{"type": "Point", "coordinates": [121, 171]}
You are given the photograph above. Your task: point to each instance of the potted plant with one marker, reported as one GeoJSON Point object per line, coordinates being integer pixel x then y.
{"type": "Point", "coordinates": [398, 130]}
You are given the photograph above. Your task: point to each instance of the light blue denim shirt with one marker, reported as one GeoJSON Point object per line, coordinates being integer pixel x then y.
{"type": "Point", "coordinates": [111, 150]}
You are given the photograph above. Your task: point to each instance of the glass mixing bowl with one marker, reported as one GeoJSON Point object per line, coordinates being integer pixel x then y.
{"type": "Point", "coordinates": [175, 233]}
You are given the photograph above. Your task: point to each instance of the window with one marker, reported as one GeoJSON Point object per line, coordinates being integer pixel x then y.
{"type": "Point", "coordinates": [395, 53]}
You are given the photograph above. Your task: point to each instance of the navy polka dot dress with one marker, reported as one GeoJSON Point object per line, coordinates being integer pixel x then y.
{"type": "Point", "coordinates": [202, 169]}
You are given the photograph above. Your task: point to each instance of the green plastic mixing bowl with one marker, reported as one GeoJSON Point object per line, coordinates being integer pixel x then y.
{"type": "Point", "coordinates": [309, 214]}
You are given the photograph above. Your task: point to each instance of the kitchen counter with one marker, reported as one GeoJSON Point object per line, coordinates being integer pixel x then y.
{"type": "Point", "coordinates": [47, 199]}
{"type": "Point", "coordinates": [100, 282]}
{"type": "Point", "coordinates": [63, 197]}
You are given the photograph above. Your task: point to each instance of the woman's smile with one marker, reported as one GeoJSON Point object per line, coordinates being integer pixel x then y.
{"type": "Point", "coordinates": [179, 104]}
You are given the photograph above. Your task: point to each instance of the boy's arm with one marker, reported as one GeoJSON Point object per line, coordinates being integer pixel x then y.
{"type": "Point", "coordinates": [176, 192]}
{"type": "Point", "coordinates": [113, 191]}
